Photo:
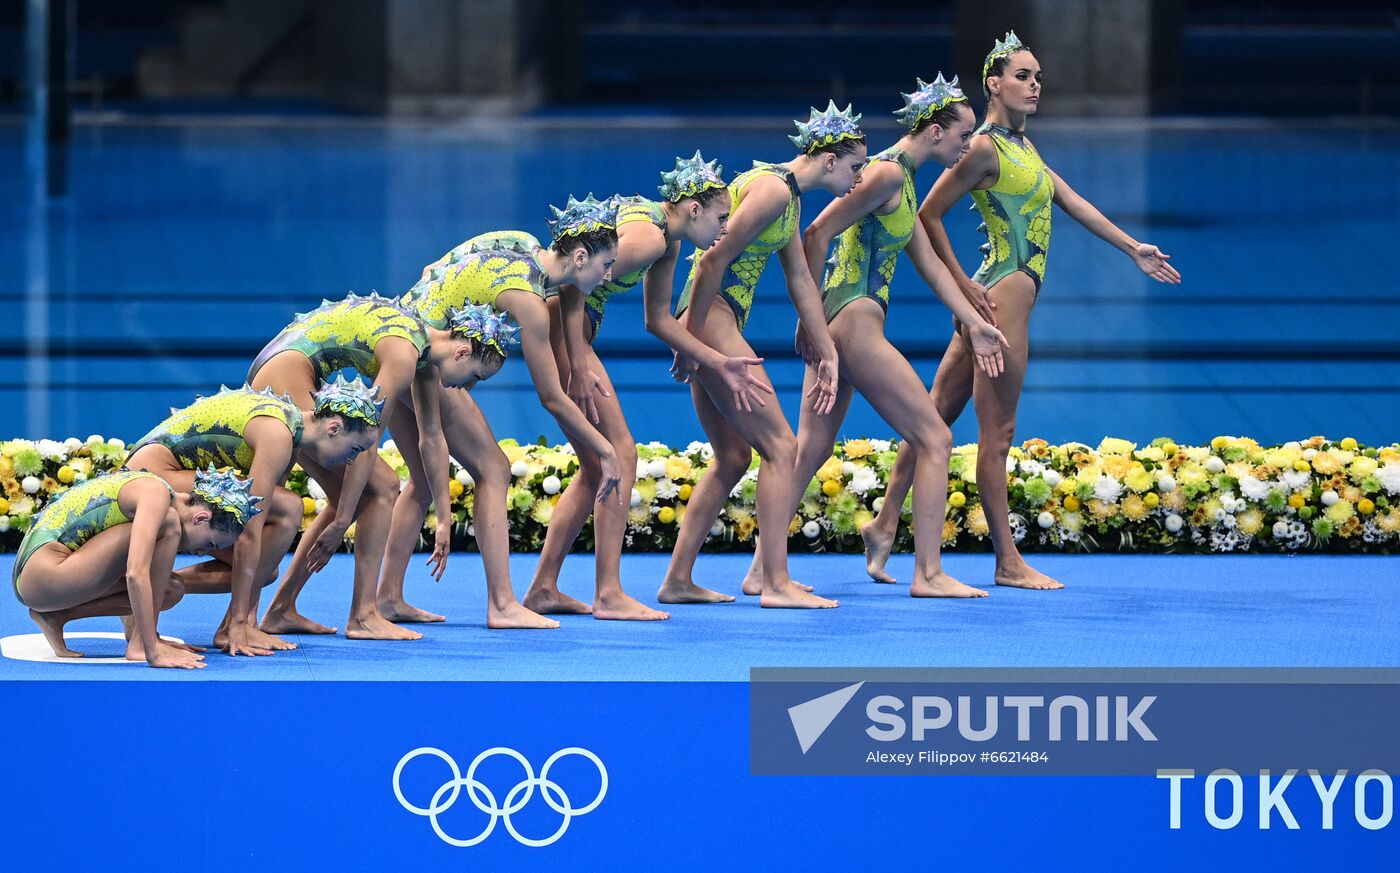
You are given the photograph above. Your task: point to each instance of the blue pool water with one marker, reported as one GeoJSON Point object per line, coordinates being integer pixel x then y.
{"type": "Point", "coordinates": [186, 245]}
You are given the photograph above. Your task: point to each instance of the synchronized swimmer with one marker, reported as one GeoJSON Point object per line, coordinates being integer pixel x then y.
{"type": "Point", "coordinates": [107, 546]}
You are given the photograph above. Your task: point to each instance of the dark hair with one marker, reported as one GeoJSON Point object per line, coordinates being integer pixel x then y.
{"type": "Point", "coordinates": [486, 353]}
{"type": "Point", "coordinates": [840, 148]}
{"type": "Point", "coordinates": [997, 68]}
{"type": "Point", "coordinates": [593, 241]}
{"type": "Point", "coordinates": [351, 423]}
{"type": "Point", "coordinates": [220, 519]}
{"type": "Point", "coordinates": [944, 118]}
{"type": "Point", "coordinates": [706, 197]}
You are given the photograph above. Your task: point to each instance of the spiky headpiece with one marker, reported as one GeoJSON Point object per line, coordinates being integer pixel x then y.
{"type": "Point", "coordinates": [351, 399]}
{"type": "Point", "coordinates": [477, 321]}
{"type": "Point", "coordinates": [227, 492]}
{"type": "Point", "coordinates": [824, 128]}
{"type": "Point", "coordinates": [928, 100]}
{"type": "Point", "coordinates": [690, 177]}
{"type": "Point", "coordinates": [582, 216]}
{"type": "Point", "coordinates": [1003, 47]}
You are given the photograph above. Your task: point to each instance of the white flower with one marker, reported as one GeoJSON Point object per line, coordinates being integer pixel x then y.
{"type": "Point", "coordinates": [878, 503]}
{"type": "Point", "coordinates": [1032, 468]}
{"type": "Point", "coordinates": [1215, 465]}
{"type": "Point", "coordinates": [1173, 523]}
{"type": "Point", "coordinates": [717, 529]}
{"type": "Point", "coordinates": [566, 449]}
{"type": "Point", "coordinates": [656, 468]}
{"type": "Point", "coordinates": [72, 444]}
{"type": "Point", "coordinates": [706, 450]}
{"type": "Point", "coordinates": [464, 477]}
{"type": "Point", "coordinates": [1330, 497]}
{"type": "Point", "coordinates": [1010, 464]}
{"type": "Point", "coordinates": [1293, 445]}
{"type": "Point", "coordinates": [79, 477]}
{"type": "Point", "coordinates": [1051, 477]}
{"type": "Point", "coordinates": [880, 445]}
{"type": "Point", "coordinates": [1167, 483]}
{"type": "Point", "coordinates": [811, 530]}
{"type": "Point", "coordinates": [51, 450]}
{"type": "Point", "coordinates": [1107, 488]}
{"type": "Point", "coordinates": [1296, 480]}
{"type": "Point", "coordinates": [1228, 522]}
{"type": "Point", "coordinates": [863, 480]}
{"type": "Point", "coordinates": [642, 467]}
{"type": "Point", "coordinates": [1018, 526]}
{"type": "Point", "coordinates": [95, 439]}
{"type": "Point", "coordinates": [1280, 529]}
{"type": "Point", "coordinates": [658, 446]}
{"type": "Point", "coordinates": [1072, 521]}
{"type": "Point", "coordinates": [551, 485]}
{"type": "Point", "coordinates": [471, 530]}
{"type": "Point", "coordinates": [1389, 475]}
{"type": "Point", "coordinates": [1253, 488]}
{"type": "Point", "coordinates": [321, 504]}
{"type": "Point", "coordinates": [4, 523]}
{"type": "Point", "coordinates": [519, 468]}
{"type": "Point", "coordinates": [30, 485]}
{"type": "Point", "coordinates": [391, 446]}
{"type": "Point", "coordinates": [667, 489]}
{"type": "Point", "coordinates": [636, 498]}
{"type": "Point", "coordinates": [1045, 520]}
{"type": "Point", "coordinates": [849, 468]}
{"type": "Point", "coordinates": [1309, 454]}
{"type": "Point", "coordinates": [314, 489]}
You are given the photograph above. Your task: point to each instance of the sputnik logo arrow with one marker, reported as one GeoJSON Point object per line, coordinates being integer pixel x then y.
{"type": "Point", "coordinates": [811, 719]}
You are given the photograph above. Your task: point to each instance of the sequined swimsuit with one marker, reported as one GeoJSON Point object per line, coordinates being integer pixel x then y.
{"type": "Point", "coordinates": [868, 251]}
{"type": "Point", "coordinates": [633, 209]}
{"type": "Point", "coordinates": [77, 515]}
{"type": "Point", "coordinates": [210, 430]}
{"type": "Point", "coordinates": [742, 275]}
{"type": "Point", "coordinates": [477, 271]}
{"type": "Point", "coordinates": [342, 334]}
{"type": "Point", "coordinates": [1015, 211]}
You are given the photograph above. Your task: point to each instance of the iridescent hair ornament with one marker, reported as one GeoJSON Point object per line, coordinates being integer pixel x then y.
{"type": "Point", "coordinates": [690, 177]}
{"type": "Point", "coordinates": [929, 99]}
{"type": "Point", "coordinates": [1003, 48]}
{"type": "Point", "coordinates": [579, 217]}
{"type": "Point", "coordinates": [351, 399]}
{"type": "Point", "coordinates": [227, 492]}
{"type": "Point", "coordinates": [480, 323]}
{"type": "Point", "coordinates": [826, 128]}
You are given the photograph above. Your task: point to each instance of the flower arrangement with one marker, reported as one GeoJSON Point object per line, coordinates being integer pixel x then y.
{"type": "Point", "coordinates": [1232, 495]}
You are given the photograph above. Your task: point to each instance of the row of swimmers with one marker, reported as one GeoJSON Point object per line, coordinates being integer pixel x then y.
{"type": "Point", "coordinates": [107, 546]}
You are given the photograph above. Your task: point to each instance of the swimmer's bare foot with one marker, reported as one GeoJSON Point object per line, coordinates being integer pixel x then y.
{"type": "Point", "coordinates": [374, 626]}
{"type": "Point", "coordinates": [401, 612]}
{"type": "Point", "coordinates": [673, 591]}
{"type": "Point", "coordinates": [753, 583]}
{"type": "Point", "coordinates": [135, 651]}
{"type": "Point", "coordinates": [51, 623]}
{"type": "Point", "coordinates": [552, 601]}
{"type": "Point", "coordinates": [877, 551]}
{"type": "Point", "coordinates": [791, 595]}
{"type": "Point", "coordinates": [278, 621]}
{"type": "Point", "coordinates": [515, 616]}
{"type": "Point", "coordinates": [618, 605]}
{"type": "Point", "coordinates": [256, 638]}
{"type": "Point", "coordinates": [942, 585]}
{"type": "Point", "coordinates": [1026, 577]}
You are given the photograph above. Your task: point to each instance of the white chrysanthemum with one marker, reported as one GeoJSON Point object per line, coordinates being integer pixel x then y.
{"type": "Point", "coordinates": [1045, 520]}
{"type": "Point", "coordinates": [878, 503]}
{"type": "Point", "coordinates": [1173, 523]}
{"type": "Point", "coordinates": [1010, 464]}
{"type": "Point", "coordinates": [811, 530]}
{"type": "Point", "coordinates": [30, 485]}
{"type": "Point", "coordinates": [1389, 476]}
{"type": "Point", "coordinates": [1296, 480]}
{"type": "Point", "coordinates": [1107, 488]}
{"type": "Point", "coordinates": [519, 468]}
{"type": "Point", "coordinates": [1215, 465]}
{"type": "Point", "coordinates": [1052, 478]}
{"type": "Point", "coordinates": [1032, 468]}
{"type": "Point", "coordinates": [656, 468]}
{"type": "Point", "coordinates": [94, 439]}
{"type": "Point", "coordinates": [666, 489]}
{"type": "Point", "coordinates": [1018, 526]}
{"type": "Point", "coordinates": [717, 528]}
{"type": "Point", "coordinates": [391, 446]}
{"type": "Point", "coordinates": [314, 489]}
{"type": "Point", "coordinates": [1293, 445]}
{"type": "Point", "coordinates": [551, 485]}
{"type": "Point", "coordinates": [464, 477]}
{"type": "Point", "coordinates": [566, 449]}
{"type": "Point", "coordinates": [880, 445]}
{"type": "Point", "coordinates": [849, 468]}
{"type": "Point", "coordinates": [1280, 529]}
{"type": "Point", "coordinates": [1225, 541]}
{"type": "Point", "coordinates": [1329, 497]}
{"type": "Point", "coordinates": [51, 450]}
{"type": "Point", "coordinates": [636, 498]}
{"type": "Point", "coordinates": [656, 446]}
{"type": "Point", "coordinates": [1309, 454]}
{"type": "Point", "coordinates": [4, 523]}
{"type": "Point", "coordinates": [1253, 488]}
{"type": "Point", "coordinates": [72, 444]}
{"type": "Point", "coordinates": [863, 480]}
{"type": "Point", "coordinates": [321, 504]}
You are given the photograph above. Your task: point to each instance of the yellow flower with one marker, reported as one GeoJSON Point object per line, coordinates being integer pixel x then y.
{"type": "Point", "coordinates": [1114, 446]}
{"type": "Point", "coordinates": [1170, 448]}
{"type": "Point", "coordinates": [1103, 509]}
{"type": "Point", "coordinates": [1090, 474]}
{"type": "Point", "coordinates": [4, 506]}
{"type": "Point", "coordinates": [1297, 500]}
{"type": "Point", "coordinates": [1390, 522]}
{"type": "Point", "coordinates": [646, 488]}
{"type": "Point", "coordinates": [308, 506]}
{"type": "Point", "coordinates": [677, 467]}
{"type": "Point", "coordinates": [455, 488]}
{"type": "Point", "coordinates": [1134, 508]}
{"type": "Point", "coordinates": [1138, 480]}
{"type": "Point", "coordinates": [1349, 493]}
{"type": "Point", "coordinates": [1349, 444]}
{"type": "Point", "coordinates": [829, 470]}
{"type": "Point", "coordinates": [1326, 463]}
{"type": "Point", "coordinates": [1365, 506]}
{"type": "Point", "coordinates": [1117, 466]}
{"type": "Point", "coordinates": [831, 487]}
{"type": "Point", "coordinates": [1362, 467]}
{"type": "Point", "coordinates": [1072, 503]}
{"type": "Point", "coordinates": [950, 532]}
{"type": "Point", "coordinates": [515, 453]}
{"type": "Point", "coordinates": [1250, 522]}
{"type": "Point", "coordinates": [858, 448]}
{"type": "Point", "coordinates": [542, 511]}
{"type": "Point", "coordinates": [7, 467]}
{"type": "Point", "coordinates": [1191, 474]}
{"type": "Point", "coordinates": [50, 485]}
{"type": "Point", "coordinates": [795, 525]}
{"type": "Point", "coordinates": [977, 521]}
{"type": "Point", "coordinates": [685, 491]}
{"type": "Point", "coordinates": [638, 516]}
{"type": "Point", "coordinates": [745, 528]}
{"type": "Point", "coordinates": [66, 475]}
{"type": "Point", "coordinates": [1340, 511]}
{"type": "Point", "coordinates": [1176, 500]}
{"type": "Point", "coordinates": [1351, 527]}
{"type": "Point", "coordinates": [957, 499]}
{"type": "Point", "coordinates": [1151, 500]}
{"type": "Point", "coordinates": [862, 517]}
{"type": "Point", "coordinates": [1281, 458]}
{"type": "Point", "coordinates": [1240, 469]}
{"type": "Point", "coordinates": [1302, 466]}
{"type": "Point", "coordinates": [1151, 453]}
{"type": "Point", "coordinates": [666, 515]}
{"type": "Point", "coordinates": [1219, 442]}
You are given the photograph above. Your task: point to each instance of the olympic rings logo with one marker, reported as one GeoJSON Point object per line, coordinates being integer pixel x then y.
{"type": "Point", "coordinates": [515, 800]}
